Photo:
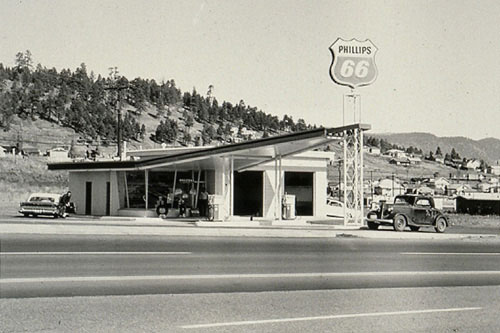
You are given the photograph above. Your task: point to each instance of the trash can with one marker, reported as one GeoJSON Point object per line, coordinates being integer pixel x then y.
{"type": "Point", "coordinates": [289, 207]}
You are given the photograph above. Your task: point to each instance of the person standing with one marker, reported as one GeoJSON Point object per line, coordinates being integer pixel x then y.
{"type": "Point", "coordinates": [203, 202]}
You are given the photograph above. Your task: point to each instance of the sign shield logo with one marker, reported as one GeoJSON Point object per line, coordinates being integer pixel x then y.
{"type": "Point", "coordinates": [353, 63]}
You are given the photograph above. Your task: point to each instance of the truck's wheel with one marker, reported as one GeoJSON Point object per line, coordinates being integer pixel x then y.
{"type": "Point", "coordinates": [440, 225]}
{"type": "Point", "coordinates": [399, 223]}
{"type": "Point", "coordinates": [414, 228]}
{"type": "Point", "coordinates": [372, 225]}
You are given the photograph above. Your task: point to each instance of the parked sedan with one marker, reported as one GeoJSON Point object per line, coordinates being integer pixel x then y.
{"type": "Point", "coordinates": [335, 208]}
{"type": "Point", "coordinates": [41, 204]}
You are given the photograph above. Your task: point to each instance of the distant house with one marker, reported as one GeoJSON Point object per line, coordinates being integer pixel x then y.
{"type": "Point", "coordinates": [234, 130]}
{"type": "Point", "coordinates": [31, 151]}
{"type": "Point", "coordinates": [458, 189]}
{"type": "Point", "coordinates": [439, 159]}
{"type": "Point", "coordinates": [372, 150]}
{"type": "Point", "coordinates": [58, 154]}
{"type": "Point", "coordinates": [404, 161]}
{"type": "Point", "coordinates": [415, 160]}
{"type": "Point", "coordinates": [493, 180]}
{"type": "Point", "coordinates": [251, 134]}
{"type": "Point", "coordinates": [472, 164]}
{"type": "Point", "coordinates": [396, 153]}
{"type": "Point", "coordinates": [423, 189]}
{"type": "Point", "coordinates": [389, 188]}
{"type": "Point", "coordinates": [474, 176]}
{"type": "Point", "coordinates": [485, 186]}
{"type": "Point", "coordinates": [441, 184]}
{"type": "Point", "coordinates": [11, 150]}
{"type": "Point", "coordinates": [455, 163]}
{"type": "Point", "coordinates": [494, 169]}
{"type": "Point", "coordinates": [494, 189]}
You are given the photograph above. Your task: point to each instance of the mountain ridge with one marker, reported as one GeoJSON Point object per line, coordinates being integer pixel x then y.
{"type": "Point", "coordinates": [487, 149]}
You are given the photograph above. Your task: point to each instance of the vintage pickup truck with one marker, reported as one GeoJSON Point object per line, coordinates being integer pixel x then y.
{"type": "Point", "coordinates": [410, 210]}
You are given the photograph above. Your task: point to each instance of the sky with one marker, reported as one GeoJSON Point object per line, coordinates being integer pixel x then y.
{"type": "Point", "coordinates": [438, 61]}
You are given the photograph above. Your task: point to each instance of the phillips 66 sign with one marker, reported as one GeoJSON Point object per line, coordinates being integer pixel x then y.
{"type": "Point", "coordinates": [353, 62]}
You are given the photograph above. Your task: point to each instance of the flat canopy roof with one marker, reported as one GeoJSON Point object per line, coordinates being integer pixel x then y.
{"type": "Point", "coordinates": [246, 154]}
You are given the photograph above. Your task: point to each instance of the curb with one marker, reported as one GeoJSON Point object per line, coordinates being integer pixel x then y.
{"type": "Point", "coordinates": [160, 227]}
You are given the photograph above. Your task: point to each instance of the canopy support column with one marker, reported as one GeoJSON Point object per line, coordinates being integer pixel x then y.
{"type": "Point", "coordinates": [126, 189]}
{"type": "Point", "coordinates": [280, 190]}
{"type": "Point", "coordinates": [276, 196]}
{"type": "Point", "coordinates": [146, 184]}
{"type": "Point", "coordinates": [231, 187]}
{"type": "Point", "coordinates": [173, 187]}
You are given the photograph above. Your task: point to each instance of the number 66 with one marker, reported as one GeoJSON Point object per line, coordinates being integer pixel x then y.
{"type": "Point", "coordinates": [349, 67]}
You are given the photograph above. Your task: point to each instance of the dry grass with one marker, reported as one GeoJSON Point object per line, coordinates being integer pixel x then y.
{"type": "Point", "coordinates": [465, 220]}
{"type": "Point", "coordinates": [21, 176]}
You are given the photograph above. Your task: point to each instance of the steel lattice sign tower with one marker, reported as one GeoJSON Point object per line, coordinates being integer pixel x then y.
{"type": "Point", "coordinates": [353, 65]}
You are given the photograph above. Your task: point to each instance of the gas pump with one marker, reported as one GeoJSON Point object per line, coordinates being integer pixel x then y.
{"type": "Point", "coordinates": [289, 207]}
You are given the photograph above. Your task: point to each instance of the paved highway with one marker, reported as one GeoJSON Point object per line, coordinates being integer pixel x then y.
{"type": "Point", "coordinates": [62, 265]}
{"type": "Point", "coordinates": [203, 284]}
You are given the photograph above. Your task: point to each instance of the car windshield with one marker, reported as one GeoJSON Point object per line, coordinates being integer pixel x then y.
{"type": "Point", "coordinates": [404, 200]}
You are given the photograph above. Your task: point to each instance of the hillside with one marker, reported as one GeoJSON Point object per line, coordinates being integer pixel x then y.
{"type": "Point", "coordinates": [85, 107]}
{"type": "Point", "coordinates": [486, 149]}
{"type": "Point", "coordinates": [21, 176]}
{"type": "Point", "coordinates": [378, 167]}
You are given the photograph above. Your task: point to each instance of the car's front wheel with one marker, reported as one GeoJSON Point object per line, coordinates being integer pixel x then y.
{"type": "Point", "coordinates": [399, 223]}
{"type": "Point", "coordinates": [440, 225]}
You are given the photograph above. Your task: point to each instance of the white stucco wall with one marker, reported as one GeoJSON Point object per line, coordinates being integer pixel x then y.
{"type": "Point", "coordinates": [77, 186]}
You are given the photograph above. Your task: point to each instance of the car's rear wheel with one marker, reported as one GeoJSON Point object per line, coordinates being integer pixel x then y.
{"type": "Point", "coordinates": [414, 228]}
{"type": "Point", "coordinates": [440, 225]}
{"type": "Point", "coordinates": [372, 225]}
{"type": "Point", "coordinates": [399, 223]}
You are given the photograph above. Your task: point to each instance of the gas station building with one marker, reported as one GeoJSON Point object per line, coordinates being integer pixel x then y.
{"type": "Point", "coordinates": [250, 178]}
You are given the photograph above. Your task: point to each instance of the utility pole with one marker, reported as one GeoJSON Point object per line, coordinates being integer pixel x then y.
{"type": "Point", "coordinates": [392, 193]}
{"type": "Point", "coordinates": [113, 75]}
{"type": "Point", "coordinates": [371, 184]}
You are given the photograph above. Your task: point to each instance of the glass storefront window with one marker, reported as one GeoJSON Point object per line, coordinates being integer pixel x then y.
{"type": "Point", "coordinates": [136, 189]}
{"type": "Point", "coordinates": [162, 183]}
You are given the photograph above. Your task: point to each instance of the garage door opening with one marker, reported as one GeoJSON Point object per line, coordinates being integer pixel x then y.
{"type": "Point", "coordinates": [300, 184]}
{"type": "Point", "coordinates": [248, 193]}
